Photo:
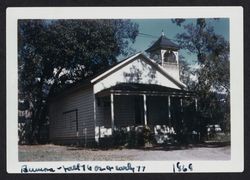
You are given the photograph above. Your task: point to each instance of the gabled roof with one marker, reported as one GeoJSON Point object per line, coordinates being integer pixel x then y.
{"type": "Point", "coordinates": [104, 73]}
{"type": "Point", "coordinates": [129, 60]}
{"type": "Point", "coordinates": [163, 43]}
{"type": "Point", "coordinates": [114, 67]}
{"type": "Point", "coordinates": [86, 83]}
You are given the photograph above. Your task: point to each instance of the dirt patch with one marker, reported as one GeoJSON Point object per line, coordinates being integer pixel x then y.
{"type": "Point", "coordinates": [66, 153]}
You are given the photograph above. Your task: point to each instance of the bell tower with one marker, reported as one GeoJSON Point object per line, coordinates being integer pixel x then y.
{"type": "Point", "coordinates": [165, 53]}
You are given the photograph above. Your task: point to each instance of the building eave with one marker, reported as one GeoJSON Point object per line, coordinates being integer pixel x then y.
{"type": "Point", "coordinates": [109, 71]}
{"type": "Point", "coordinates": [164, 72]}
{"type": "Point", "coordinates": [130, 59]}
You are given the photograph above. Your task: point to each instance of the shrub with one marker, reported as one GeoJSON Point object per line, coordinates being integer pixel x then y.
{"type": "Point", "coordinates": [147, 135]}
{"type": "Point", "coordinates": [140, 137]}
{"type": "Point", "coordinates": [136, 137]}
{"type": "Point", "coordinates": [106, 142]}
{"type": "Point", "coordinates": [131, 139]}
{"type": "Point", "coordinates": [120, 137]}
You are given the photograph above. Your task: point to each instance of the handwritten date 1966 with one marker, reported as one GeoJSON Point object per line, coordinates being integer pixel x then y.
{"type": "Point", "coordinates": [180, 167]}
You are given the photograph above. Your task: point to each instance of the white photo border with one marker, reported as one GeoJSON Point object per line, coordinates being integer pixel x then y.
{"type": "Point", "coordinates": [235, 15]}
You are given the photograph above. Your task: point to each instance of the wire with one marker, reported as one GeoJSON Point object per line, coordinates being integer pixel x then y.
{"type": "Point", "coordinates": [151, 36]}
{"type": "Point", "coordinates": [147, 35]}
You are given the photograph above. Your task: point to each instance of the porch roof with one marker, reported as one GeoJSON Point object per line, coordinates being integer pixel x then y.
{"type": "Point", "coordinates": [140, 89]}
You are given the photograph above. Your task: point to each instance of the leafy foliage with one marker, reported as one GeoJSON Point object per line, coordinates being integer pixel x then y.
{"type": "Point", "coordinates": [211, 80]}
{"type": "Point", "coordinates": [52, 54]}
{"type": "Point", "coordinates": [178, 21]}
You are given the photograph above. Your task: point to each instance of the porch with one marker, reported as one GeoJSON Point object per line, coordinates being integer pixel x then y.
{"type": "Point", "coordinates": [131, 106]}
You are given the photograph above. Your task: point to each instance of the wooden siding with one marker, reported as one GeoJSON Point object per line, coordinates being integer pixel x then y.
{"type": "Point", "coordinates": [103, 115]}
{"type": "Point", "coordinates": [137, 71]}
{"type": "Point", "coordinates": [62, 125]}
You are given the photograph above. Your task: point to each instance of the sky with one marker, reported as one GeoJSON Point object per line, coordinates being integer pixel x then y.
{"type": "Point", "coordinates": [155, 27]}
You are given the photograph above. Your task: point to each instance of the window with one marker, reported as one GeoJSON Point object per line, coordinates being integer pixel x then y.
{"type": "Point", "coordinates": [71, 119]}
{"type": "Point", "coordinates": [169, 57]}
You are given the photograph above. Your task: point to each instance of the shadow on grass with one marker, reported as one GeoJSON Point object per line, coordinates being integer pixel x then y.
{"type": "Point", "coordinates": [187, 146]}
{"type": "Point", "coordinates": [208, 144]}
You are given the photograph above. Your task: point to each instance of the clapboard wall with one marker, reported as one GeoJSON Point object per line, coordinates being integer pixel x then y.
{"type": "Point", "coordinates": [103, 112]}
{"type": "Point", "coordinates": [62, 117]}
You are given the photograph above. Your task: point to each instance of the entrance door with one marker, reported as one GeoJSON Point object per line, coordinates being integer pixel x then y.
{"type": "Point", "coordinates": [139, 114]}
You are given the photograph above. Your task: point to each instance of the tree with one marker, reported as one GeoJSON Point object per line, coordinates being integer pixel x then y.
{"type": "Point", "coordinates": [212, 81]}
{"type": "Point", "coordinates": [53, 54]}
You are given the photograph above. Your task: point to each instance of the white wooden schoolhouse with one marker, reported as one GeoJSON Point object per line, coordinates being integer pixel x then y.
{"type": "Point", "coordinates": [139, 90]}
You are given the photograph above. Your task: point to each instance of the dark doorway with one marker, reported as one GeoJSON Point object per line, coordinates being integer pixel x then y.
{"type": "Point", "coordinates": [139, 114]}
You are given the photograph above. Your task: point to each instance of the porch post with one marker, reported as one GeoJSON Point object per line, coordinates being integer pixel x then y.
{"type": "Point", "coordinates": [145, 109]}
{"type": "Point", "coordinates": [181, 102]}
{"type": "Point", "coordinates": [97, 132]}
{"type": "Point", "coordinates": [169, 111]}
{"type": "Point", "coordinates": [112, 111]}
{"type": "Point", "coordinates": [196, 108]}
{"type": "Point", "coordinates": [196, 104]}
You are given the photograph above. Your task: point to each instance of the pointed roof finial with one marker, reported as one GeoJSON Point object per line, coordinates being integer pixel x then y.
{"type": "Point", "coordinates": [162, 33]}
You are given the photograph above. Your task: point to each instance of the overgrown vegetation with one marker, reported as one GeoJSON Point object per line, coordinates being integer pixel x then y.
{"type": "Point", "coordinates": [211, 77]}
{"type": "Point", "coordinates": [135, 138]}
{"type": "Point", "coordinates": [54, 54]}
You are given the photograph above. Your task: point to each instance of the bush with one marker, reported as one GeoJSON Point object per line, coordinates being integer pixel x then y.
{"type": "Point", "coordinates": [24, 133]}
{"type": "Point", "coordinates": [136, 137]}
{"type": "Point", "coordinates": [120, 137]}
{"type": "Point", "coordinates": [131, 139]}
{"type": "Point", "coordinates": [140, 136]}
{"type": "Point", "coordinates": [106, 142]}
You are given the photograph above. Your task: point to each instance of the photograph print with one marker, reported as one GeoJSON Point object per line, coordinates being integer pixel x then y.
{"type": "Point", "coordinates": [124, 86]}
{"type": "Point", "coordinates": [124, 93]}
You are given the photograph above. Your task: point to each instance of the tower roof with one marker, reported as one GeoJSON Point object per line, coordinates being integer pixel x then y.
{"type": "Point", "coordinates": [163, 43]}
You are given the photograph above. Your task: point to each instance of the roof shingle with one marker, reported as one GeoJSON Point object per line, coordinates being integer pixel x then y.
{"type": "Point", "coordinates": [162, 43]}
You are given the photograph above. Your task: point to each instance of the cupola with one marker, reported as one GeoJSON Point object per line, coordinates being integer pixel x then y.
{"type": "Point", "coordinates": [165, 53]}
